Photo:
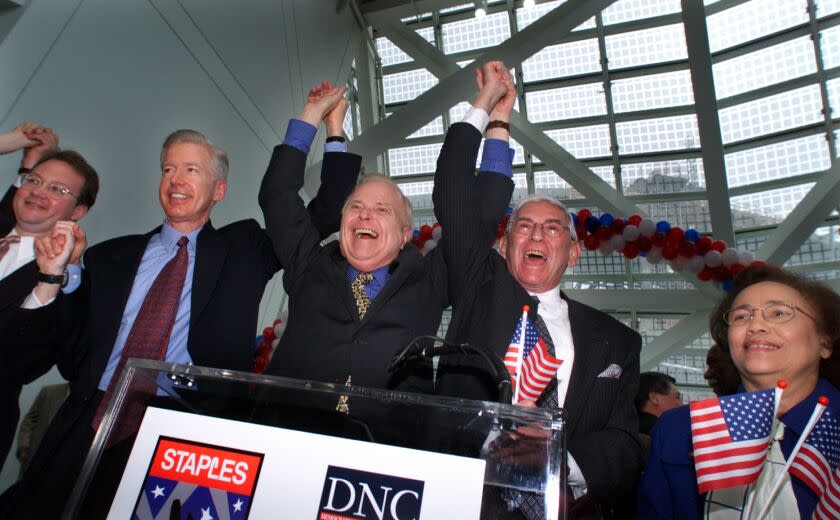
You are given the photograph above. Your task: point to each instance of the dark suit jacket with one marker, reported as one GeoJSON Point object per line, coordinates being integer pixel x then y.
{"type": "Point", "coordinates": [487, 302]}
{"type": "Point", "coordinates": [232, 266]}
{"type": "Point", "coordinates": [25, 354]}
{"type": "Point", "coordinates": [325, 340]}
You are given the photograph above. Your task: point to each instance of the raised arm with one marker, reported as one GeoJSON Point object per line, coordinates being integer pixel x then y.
{"type": "Point", "coordinates": [36, 141]}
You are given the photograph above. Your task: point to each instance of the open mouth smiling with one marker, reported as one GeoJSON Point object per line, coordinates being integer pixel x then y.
{"type": "Point", "coordinates": [760, 345]}
{"type": "Point", "coordinates": [365, 233]}
{"type": "Point", "coordinates": [534, 254]}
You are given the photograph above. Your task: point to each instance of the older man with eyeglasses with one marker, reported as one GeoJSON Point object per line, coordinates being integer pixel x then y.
{"type": "Point", "coordinates": [599, 374]}
{"type": "Point", "coordinates": [54, 190]}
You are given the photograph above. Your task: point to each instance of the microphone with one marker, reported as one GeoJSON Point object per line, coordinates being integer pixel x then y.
{"type": "Point", "coordinates": [414, 351]}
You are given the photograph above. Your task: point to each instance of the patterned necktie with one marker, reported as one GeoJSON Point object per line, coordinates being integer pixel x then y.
{"type": "Point", "coordinates": [359, 293]}
{"type": "Point", "coordinates": [532, 505]}
{"type": "Point", "coordinates": [6, 242]}
{"type": "Point", "coordinates": [148, 339]}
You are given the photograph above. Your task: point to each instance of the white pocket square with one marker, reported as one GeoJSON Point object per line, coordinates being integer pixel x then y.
{"type": "Point", "coordinates": [611, 372]}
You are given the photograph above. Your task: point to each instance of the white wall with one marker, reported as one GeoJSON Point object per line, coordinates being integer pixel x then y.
{"type": "Point", "coordinates": [114, 77]}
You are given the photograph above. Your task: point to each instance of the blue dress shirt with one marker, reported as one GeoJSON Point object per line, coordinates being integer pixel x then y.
{"type": "Point", "coordinates": [159, 251]}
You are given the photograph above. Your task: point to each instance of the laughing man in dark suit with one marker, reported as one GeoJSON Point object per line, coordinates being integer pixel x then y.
{"type": "Point", "coordinates": [599, 375]}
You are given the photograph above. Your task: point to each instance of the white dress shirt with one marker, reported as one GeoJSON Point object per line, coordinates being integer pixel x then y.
{"type": "Point", "coordinates": [555, 313]}
{"type": "Point", "coordinates": [18, 255]}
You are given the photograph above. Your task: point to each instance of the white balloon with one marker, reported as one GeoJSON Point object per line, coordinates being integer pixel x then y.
{"type": "Point", "coordinates": [654, 256]}
{"type": "Point", "coordinates": [676, 265]}
{"type": "Point", "coordinates": [695, 264]}
{"type": "Point", "coordinates": [279, 329]}
{"type": "Point", "coordinates": [729, 256]}
{"type": "Point", "coordinates": [630, 233]}
{"type": "Point", "coordinates": [437, 233]}
{"type": "Point", "coordinates": [274, 344]}
{"type": "Point", "coordinates": [606, 248]}
{"type": "Point", "coordinates": [713, 259]}
{"type": "Point", "coordinates": [617, 242]}
{"type": "Point", "coordinates": [745, 257]}
{"type": "Point", "coordinates": [429, 245]}
{"type": "Point", "coordinates": [647, 227]}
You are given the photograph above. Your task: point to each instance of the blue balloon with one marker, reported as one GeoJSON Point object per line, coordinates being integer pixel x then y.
{"type": "Point", "coordinates": [692, 234]}
{"type": "Point", "coordinates": [592, 224]}
{"type": "Point", "coordinates": [509, 210]}
{"type": "Point", "coordinates": [574, 219]}
{"type": "Point", "coordinates": [727, 285]}
{"type": "Point", "coordinates": [416, 232]}
{"type": "Point", "coordinates": [606, 220]}
{"type": "Point", "coordinates": [663, 227]}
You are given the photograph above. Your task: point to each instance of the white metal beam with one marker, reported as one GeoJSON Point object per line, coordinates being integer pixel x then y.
{"type": "Point", "coordinates": [677, 337]}
{"type": "Point", "coordinates": [644, 300]}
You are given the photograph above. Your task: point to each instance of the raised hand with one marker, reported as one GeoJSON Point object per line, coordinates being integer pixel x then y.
{"type": "Point", "coordinates": [81, 244]}
{"type": "Point", "coordinates": [320, 101]}
{"type": "Point", "coordinates": [17, 138]}
{"type": "Point", "coordinates": [45, 140]}
{"type": "Point", "coordinates": [53, 250]}
{"type": "Point", "coordinates": [504, 106]}
{"type": "Point", "coordinates": [335, 117]}
{"type": "Point", "coordinates": [491, 80]}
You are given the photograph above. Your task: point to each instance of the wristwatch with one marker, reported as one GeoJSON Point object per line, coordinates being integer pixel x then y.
{"type": "Point", "coordinates": [61, 279]}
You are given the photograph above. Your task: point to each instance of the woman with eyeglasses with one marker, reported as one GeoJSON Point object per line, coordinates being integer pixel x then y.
{"type": "Point", "coordinates": [773, 325]}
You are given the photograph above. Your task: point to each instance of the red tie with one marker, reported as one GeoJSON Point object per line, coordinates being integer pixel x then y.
{"type": "Point", "coordinates": [148, 339]}
{"type": "Point", "coordinates": [6, 242]}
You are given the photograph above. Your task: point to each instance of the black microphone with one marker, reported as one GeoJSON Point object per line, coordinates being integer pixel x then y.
{"type": "Point", "coordinates": [414, 351]}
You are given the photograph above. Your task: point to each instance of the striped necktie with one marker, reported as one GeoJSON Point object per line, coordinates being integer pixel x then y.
{"type": "Point", "coordinates": [6, 243]}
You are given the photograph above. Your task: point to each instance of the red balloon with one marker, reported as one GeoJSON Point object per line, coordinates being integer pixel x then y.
{"type": "Point", "coordinates": [437, 224]}
{"type": "Point", "coordinates": [581, 232]}
{"type": "Point", "coordinates": [705, 275]}
{"type": "Point", "coordinates": [268, 333]}
{"type": "Point", "coordinates": [758, 263]}
{"type": "Point", "coordinates": [635, 219]}
{"type": "Point", "coordinates": [617, 225]}
{"type": "Point", "coordinates": [703, 245]}
{"type": "Point", "coordinates": [721, 274]}
{"type": "Point", "coordinates": [630, 250]}
{"type": "Point", "coordinates": [425, 231]}
{"type": "Point", "coordinates": [591, 242]}
{"type": "Point", "coordinates": [736, 268]}
{"type": "Point", "coordinates": [603, 234]}
{"type": "Point", "coordinates": [659, 239]}
{"type": "Point", "coordinates": [278, 320]}
{"type": "Point", "coordinates": [583, 215]}
{"type": "Point", "coordinates": [645, 244]}
{"type": "Point", "coordinates": [677, 233]}
{"type": "Point", "coordinates": [687, 249]}
{"type": "Point", "coordinates": [670, 251]}
{"type": "Point", "coordinates": [719, 246]}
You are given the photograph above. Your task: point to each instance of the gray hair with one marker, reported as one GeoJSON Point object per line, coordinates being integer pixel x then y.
{"type": "Point", "coordinates": [549, 200]}
{"type": "Point", "coordinates": [408, 211]}
{"type": "Point", "coordinates": [218, 157]}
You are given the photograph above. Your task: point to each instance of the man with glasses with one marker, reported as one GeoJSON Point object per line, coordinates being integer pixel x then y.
{"type": "Point", "coordinates": [54, 190]}
{"type": "Point", "coordinates": [597, 379]}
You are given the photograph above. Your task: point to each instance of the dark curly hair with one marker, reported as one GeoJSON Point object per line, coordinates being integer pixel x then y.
{"type": "Point", "coordinates": [722, 375]}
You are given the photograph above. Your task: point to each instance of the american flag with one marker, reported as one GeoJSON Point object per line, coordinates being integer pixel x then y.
{"type": "Point", "coordinates": [828, 508]}
{"type": "Point", "coordinates": [820, 454]}
{"type": "Point", "coordinates": [538, 366]}
{"type": "Point", "coordinates": [162, 499]}
{"type": "Point", "coordinates": [731, 436]}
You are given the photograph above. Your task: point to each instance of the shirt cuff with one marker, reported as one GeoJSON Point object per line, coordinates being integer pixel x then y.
{"type": "Point", "coordinates": [16, 184]}
{"type": "Point", "coordinates": [335, 146]}
{"type": "Point", "coordinates": [478, 118]}
{"type": "Point", "coordinates": [300, 135]}
{"type": "Point", "coordinates": [32, 302]}
{"type": "Point", "coordinates": [576, 480]}
{"type": "Point", "coordinates": [497, 157]}
{"type": "Point", "coordinates": [74, 278]}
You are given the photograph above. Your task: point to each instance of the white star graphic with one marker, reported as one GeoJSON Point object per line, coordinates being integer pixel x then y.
{"type": "Point", "coordinates": [237, 506]}
{"type": "Point", "coordinates": [158, 492]}
{"type": "Point", "coordinates": [205, 514]}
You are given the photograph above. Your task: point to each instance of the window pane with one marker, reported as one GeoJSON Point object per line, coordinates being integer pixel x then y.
{"type": "Point", "coordinates": [655, 45]}
{"type": "Point", "coordinates": [752, 20]}
{"type": "Point", "coordinates": [767, 207]}
{"type": "Point", "coordinates": [419, 193]}
{"type": "Point", "coordinates": [405, 86]}
{"type": "Point", "coordinates": [527, 16]}
{"type": "Point", "coordinates": [777, 161]}
{"type": "Point", "coordinates": [692, 213]}
{"type": "Point", "coordinates": [830, 46]}
{"type": "Point", "coordinates": [822, 246]}
{"type": "Point", "coordinates": [390, 53]}
{"type": "Point", "coordinates": [654, 91]}
{"type": "Point", "coordinates": [827, 7]}
{"type": "Point", "coordinates": [768, 66]}
{"type": "Point", "coordinates": [653, 135]}
{"type": "Point", "coordinates": [663, 177]}
{"type": "Point", "coordinates": [627, 10]}
{"type": "Point", "coordinates": [771, 114]}
{"type": "Point", "coordinates": [412, 160]}
{"type": "Point", "coordinates": [585, 141]}
{"type": "Point", "coordinates": [566, 59]}
{"type": "Point", "coordinates": [566, 103]}
{"type": "Point", "coordinates": [435, 127]}
{"type": "Point", "coordinates": [474, 33]}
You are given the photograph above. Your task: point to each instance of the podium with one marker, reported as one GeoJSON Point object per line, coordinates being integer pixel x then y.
{"type": "Point", "coordinates": [223, 444]}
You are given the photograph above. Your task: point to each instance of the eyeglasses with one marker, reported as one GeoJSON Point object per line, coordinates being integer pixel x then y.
{"type": "Point", "coordinates": [772, 313]}
{"type": "Point", "coordinates": [55, 190]}
{"type": "Point", "coordinates": [549, 228]}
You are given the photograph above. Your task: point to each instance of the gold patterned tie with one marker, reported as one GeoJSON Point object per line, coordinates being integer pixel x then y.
{"type": "Point", "coordinates": [6, 242]}
{"type": "Point", "coordinates": [359, 293]}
